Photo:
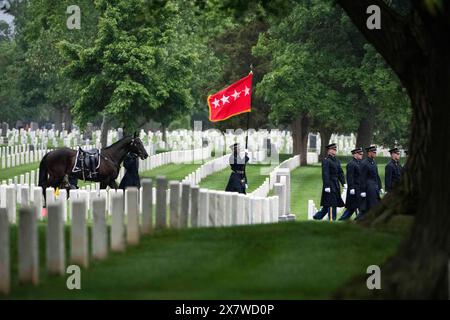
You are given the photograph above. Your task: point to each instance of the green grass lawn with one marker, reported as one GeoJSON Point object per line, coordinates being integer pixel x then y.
{"type": "Point", "coordinates": [10, 173]}
{"type": "Point", "coordinates": [303, 260]}
{"type": "Point", "coordinates": [171, 171]}
{"type": "Point", "coordinates": [306, 184]}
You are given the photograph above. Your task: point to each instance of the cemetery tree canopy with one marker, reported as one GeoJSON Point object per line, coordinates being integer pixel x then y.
{"type": "Point", "coordinates": [324, 76]}
{"type": "Point", "coordinates": [414, 42]}
{"type": "Point", "coordinates": [141, 63]}
{"type": "Point", "coordinates": [39, 26]}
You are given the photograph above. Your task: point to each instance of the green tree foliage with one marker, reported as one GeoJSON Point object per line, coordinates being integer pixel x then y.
{"type": "Point", "coordinates": [142, 64]}
{"type": "Point", "coordinates": [40, 25]}
{"type": "Point", "coordinates": [321, 69]}
{"type": "Point", "coordinates": [234, 49]}
{"type": "Point", "coordinates": [382, 88]}
{"type": "Point", "coordinates": [10, 109]}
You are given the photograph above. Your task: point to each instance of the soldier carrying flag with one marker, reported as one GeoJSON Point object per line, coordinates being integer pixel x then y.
{"type": "Point", "coordinates": [227, 103]}
{"type": "Point", "coordinates": [238, 179]}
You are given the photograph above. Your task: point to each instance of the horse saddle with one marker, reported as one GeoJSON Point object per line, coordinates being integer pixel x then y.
{"type": "Point", "coordinates": [87, 162]}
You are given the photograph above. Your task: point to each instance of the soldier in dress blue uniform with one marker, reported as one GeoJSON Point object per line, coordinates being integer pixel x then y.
{"type": "Point", "coordinates": [353, 198]}
{"type": "Point", "coordinates": [131, 177]}
{"type": "Point", "coordinates": [238, 179]}
{"type": "Point", "coordinates": [370, 182]}
{"type": "Point", "coordinates": [393, 170]}
{"type": "Point", "coordinates": [332, 174]}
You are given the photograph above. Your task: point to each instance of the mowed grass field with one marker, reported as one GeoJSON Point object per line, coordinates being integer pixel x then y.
{"type": "Point", "coordinates": [9, 173]}
{"type": "Point", "coordinates": [171, 171]}
{"type": "Point", "coordinates": [301, 260]}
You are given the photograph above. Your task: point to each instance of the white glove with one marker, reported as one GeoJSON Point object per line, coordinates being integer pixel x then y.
{"type": "Point", "coordinates": [246, 186]}
{"type": "Point", "coordinates": [363, 194]}
{"type": "Point", "coordinates": [352, 191]}
{"type": "Point", "coordinates": [381, 191]}
{"type": "Point", "coordinates": [327, 190]}
{"type": "Point", "coordinates": [246, 150]}
{"type": "Point", "coordinates": [345, 186]}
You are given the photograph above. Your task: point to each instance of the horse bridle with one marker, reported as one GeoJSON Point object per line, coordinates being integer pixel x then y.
{"type": "Point", "coordinates": [133, 144]}
{"type": "Point", "coordinates": [112, 162]}
{"type": "Point", "coordinates": [132, 141]}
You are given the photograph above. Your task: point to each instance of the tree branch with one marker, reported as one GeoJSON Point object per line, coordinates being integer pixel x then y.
{"type": "Point", "coordinates": [394, 41]}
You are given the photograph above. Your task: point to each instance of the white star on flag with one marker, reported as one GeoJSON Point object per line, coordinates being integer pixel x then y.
{"type": "Point", "coordinates": [236, 95]}
{"type": "Point", "coordinates": [247, 91]}
{"type": "Point", "coordinates": [225, 99]}
{"type": "Point", "coordinates": [216, 103]}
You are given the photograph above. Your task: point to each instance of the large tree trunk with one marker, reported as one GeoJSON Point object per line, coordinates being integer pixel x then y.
{"type": "Point", "coordinates": [62, 115]}
{"type": "Point", "coordinates": [67, 118]}
{"type": "Point", "coordinates": [104, 131]}
{"type": "Point", "coordinates": [164, 134]}
{"type": "Point", "coordinates": [366, 126]}
{"type": "Point", "coordinates": [58, 118]}
{"type": "Point", "coordinates": [300, 130]}
{"type": "Point", "coordinates": [325, 135]}
{"type": "Point", "coordinates": [420, 55]}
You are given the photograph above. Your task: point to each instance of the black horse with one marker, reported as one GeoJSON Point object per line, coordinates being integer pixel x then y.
{"type": "Point", "coordinates": [56, 166]}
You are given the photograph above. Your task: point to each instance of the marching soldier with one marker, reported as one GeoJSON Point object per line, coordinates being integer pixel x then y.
{"type": "Point", "coordinates": [332, 174]}
{"type": "Point", "coordinates": [238, 178]}
{"type": "Point", "coordinates": [370, 182]}
{"type": "Point", "coordinates": [353, 197]}
{"type": "Point", "coordinates": [393, 170]}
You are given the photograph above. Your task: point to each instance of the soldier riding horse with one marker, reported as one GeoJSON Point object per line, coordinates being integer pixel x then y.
{"type": "Point", "coordinates": [57, 166]}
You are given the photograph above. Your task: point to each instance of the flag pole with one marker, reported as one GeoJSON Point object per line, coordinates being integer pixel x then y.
{"type": "Point", "coordinates": [248, 124]}
{"type": "Point", "coordinates": [248, 116]}
{"type": "Point", "coordinates": [246, 139]}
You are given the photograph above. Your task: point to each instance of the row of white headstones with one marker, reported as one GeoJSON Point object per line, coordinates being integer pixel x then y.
{"type": "Point", "coordinates": [23, 158]}
{"type": "Point", "coordinates": [176, 139]}
{"type": "Point", "coordinates": [131, 213]}
{"type": "Point", "coordinates": [11, 191]}
{"type": "Point", "coordinates": [30, 179]}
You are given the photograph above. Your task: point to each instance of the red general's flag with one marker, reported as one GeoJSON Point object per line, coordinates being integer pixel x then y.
{"type": "Point", "coordinates": [231, 101]}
